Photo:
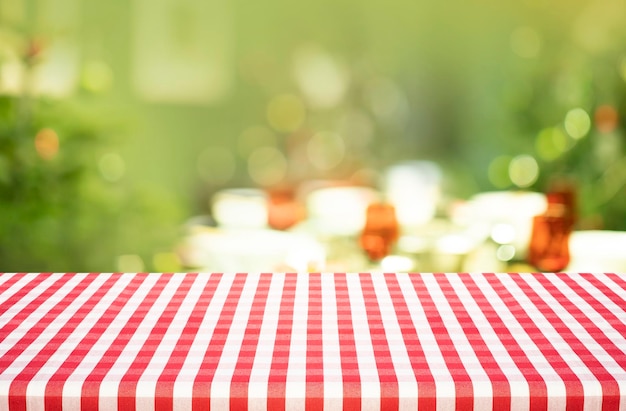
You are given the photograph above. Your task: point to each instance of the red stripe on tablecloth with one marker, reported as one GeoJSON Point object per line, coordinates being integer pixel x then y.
{"type": "Point", "coordinates": [610, 388]}
{"type": "Point", "coordinates": [426, 389]}
{"type": "Point", "coordinates": [34, 332]}
{"type": "Point", "coordinates": [619, 279]}
{"type": "Point", "coordinates": [53, 399]}
{"type": "Point", "coordinates": [389, 391]}
{"type": "Point", "coordinates": [538, 392]}
{"type": "Point", "coordinates": [127, 391]}
{"type": "Point", "coordinates": [8, 284]}
{"type": "Point", "coordinates": [91, 386]}
{"type": "Point", "coordinates": [19, 385]}
{"type": "Point", "coordinates": [607, 290]}
{"type": "Point", "coordinates": [241, 373]}
{"type": "Point", "coordinates": [164, 396]}
{"type": "Point", "coordinates": [314, 347]}
{"type": "Point", "coordinates": [609, 316]}
{"type": "Point", "coordinates": [349, 362]}
{"type": "Point", "coordinates": [462, 382]}
{"type": "Point", "coordinates": [573, 385]}
{"type": "Point", "coordinates": [31, 306]}
{"type": "Point", "coordinates": [277, 378]}
{"type": "Point", "coordinates": [499, 381]}
{"type": "Point", "coordinates": [590, 326]}
{"type": "Point", "coordinates": [201, 394]}
{"type": "Point", "coordinates": [53, 345]}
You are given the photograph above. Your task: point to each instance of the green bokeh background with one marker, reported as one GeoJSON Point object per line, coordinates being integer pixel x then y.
{"type": "Point", "coordinates": [471, 97]}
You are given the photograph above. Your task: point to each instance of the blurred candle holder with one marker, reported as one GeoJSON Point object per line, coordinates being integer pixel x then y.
{"type": "Point", "coordinates": [549, 245]}
{"type": "Point", "coordinates": [380, 232]}
{"type": "Point", "coordinates": [284, 209]}
{"type": "Point", "coordinates": [549, 242]}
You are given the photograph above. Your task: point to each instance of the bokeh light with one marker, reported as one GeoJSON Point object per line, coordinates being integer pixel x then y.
{"type": "Point", "coordinates": [112, 167]}
{"type": "Point", "coordinates": [505, 252]}
{"type": "Point", "coordinates": [216, 165]}
{"type": "Point", "coordinates": [326, 150]}
{"type": "Point", "coordinates": [130, 263]}
{"type": "Point", "coordinates": [320, 77]}
{"type": "Point", "coordinates": [523, 171]}
{"type": "Point", "coordinates": [97, 77]}
{"type": "Point", "coordinates": [267, 166]}
{"type": "Point", "coordinates": [503, 233]}
{"type": "Point", "coordinates": [577, 123]}
{"type": "Point", "coordinates": [593, 28]}
{"type": "Point", "coordinates": [498, 171]}
{"type": "Point", "coordinates": [286, 113]}
{"type": "Point", "coordinates": [551, 143]}
{"type": "Point", "coordinates": [166, 262]}
{"type": "Point", "coordinates": [47, 143]}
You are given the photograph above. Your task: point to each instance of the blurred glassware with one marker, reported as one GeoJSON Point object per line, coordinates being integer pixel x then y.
{"type": "Point", "coordinates": [284, 209]}
{"type": "Point", "coordinates": [339, 211]}
{"type": "Point", "coordinates": [439, 246]}
{"type": "Point", "coordinates": [512, 209]}
{"type": "Point", "coordinates": [240, 208]}
{"type": "Point", "coordinates": [413, 188]}
{"type": "Point", "coordinates": [245, 250]}
{"type": "Point", "coordinates": [562, 193]}
{"type": "Point", "coordinates": [380, 232]}
{"type": "Point", "coordinates": [549, 244]}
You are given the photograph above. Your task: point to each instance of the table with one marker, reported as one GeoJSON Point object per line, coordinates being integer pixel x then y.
{"type": "Point", "coordinates": [316, 341]}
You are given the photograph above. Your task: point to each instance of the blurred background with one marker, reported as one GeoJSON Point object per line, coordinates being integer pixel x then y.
{"type": "Point", "coordinates": [177, 135]}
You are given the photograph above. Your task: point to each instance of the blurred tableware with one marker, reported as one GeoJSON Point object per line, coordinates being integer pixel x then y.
{"type": "Point", "coordinates": [598, 251]}
{"type": "Point", "coordinates": [509, 212]}
{"type": "Point", "coordinates": [244, 250]}
{"type": "Point", "coordinates": [339, 211]}
{"type": "Point", "coordinates": [380, 232]}
{"type": "Point", "coordinates": [549, 243]}
{"type": "Point", "coordinates": [414, 189]}
{"type": "Point", "coordinates": [284, 209]}
{"type": "Point", "coordinates": [240, 208]}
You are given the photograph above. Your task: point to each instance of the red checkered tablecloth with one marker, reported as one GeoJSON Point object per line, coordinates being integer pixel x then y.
{"type": "Point", "coordinates": [312, 341]}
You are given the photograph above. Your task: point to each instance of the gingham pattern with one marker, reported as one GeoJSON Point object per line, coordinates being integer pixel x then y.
{"type": "Point", "coordinates": [312, 341]}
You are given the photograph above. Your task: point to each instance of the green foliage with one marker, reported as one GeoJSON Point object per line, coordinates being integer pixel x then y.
{"type": "Point", "coordinates": [57, 211]}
